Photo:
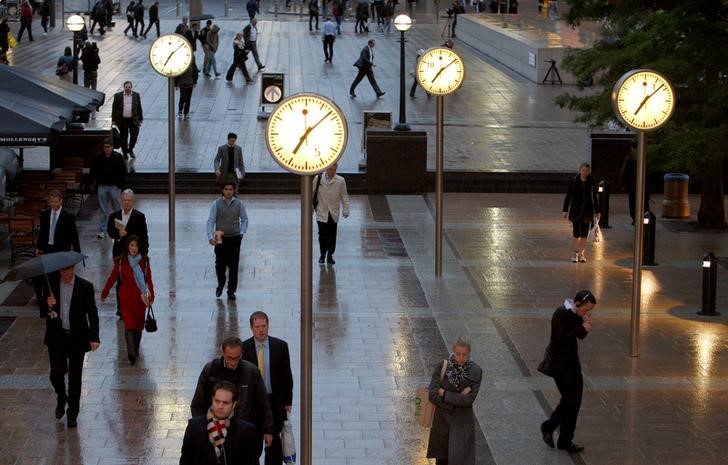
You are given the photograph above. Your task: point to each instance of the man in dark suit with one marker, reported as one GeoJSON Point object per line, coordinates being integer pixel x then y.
{"type": "Point", "coordinates": [570, 321]}
{"type": "Point", "coordinates": [126, 222]}
{"type": "Point", "coordinates": [229, 163]}
{"type": "Point", "coordinates": [366, 65]}
{"type": "Point", "coordinates": [271, 356]}
{"type": "Point", "coordinates": [216, 437]}
{"type": "Point", "coordinates": [252, 405]}
{"type": "Point", "coordinates": [72, 329]}
{"type": "Point", "coordinates": [127, 115]}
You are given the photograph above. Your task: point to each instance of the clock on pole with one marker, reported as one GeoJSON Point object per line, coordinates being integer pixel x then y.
{"type": "Point", "coordinates": [440, 71]}
{"type": "Point", "coordinates": [170, 55]}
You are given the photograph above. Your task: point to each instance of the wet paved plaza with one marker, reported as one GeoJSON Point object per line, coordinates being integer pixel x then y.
{"type": "Point", "coordinates": [382, 322]}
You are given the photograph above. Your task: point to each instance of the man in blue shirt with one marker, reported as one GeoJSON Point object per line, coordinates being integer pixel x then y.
{"type": "Point", "coordinates": [329, 36]}
{"type": "Point", "coordinates": [226, 225]}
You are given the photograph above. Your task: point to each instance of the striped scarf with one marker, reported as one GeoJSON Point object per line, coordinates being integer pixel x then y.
{"type": "Point", "coordinates": [216, 431]}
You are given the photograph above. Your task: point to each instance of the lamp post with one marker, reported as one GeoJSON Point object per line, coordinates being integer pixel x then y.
{"type": "Point", "coordinates": [75, 23]}
{"type": "Point", "coordinates": [402, 23]}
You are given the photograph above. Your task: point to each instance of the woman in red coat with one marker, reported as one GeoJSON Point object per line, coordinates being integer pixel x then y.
{"type": "Point", "coordinates": [135, 294]}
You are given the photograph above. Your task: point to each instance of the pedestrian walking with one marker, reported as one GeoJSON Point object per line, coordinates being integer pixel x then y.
{"type": "Point", "coordinates": [58, 230]}
{"type": "Point", "coordinates": [570, 322]}
{"type": "Point", "coordinates": [127, 115]}
{"type": "Point", "coordinates": [240, 55]}
{"type": "Point", "coordinates": [186, 84]}
{"type": "Point", "coordinates": [98, 16]}
{"type": "Point", "coordinates": [202, 36]}
{"type": "Point", "coordinates": [387, 13]}
{"type": "Point", "coordinates": [338, 11]}
{"type": "Point", "coordinates": [252, 7]}
{"type": "Point", "coordinates": [4, 32]}
{"type": "Point", "coordinates": [134, 292]}
{"type": "Point", "coordinates": [362, 16]}
{"type": "Point", "coordinates": [218, 436]}
{"type": "Point", "coordinates": [130, 19]}
{"type": "Point", "coordinates": [45, 14]}
{"type": "Point", "coordinates": [229, 163]}
{"type": "Point", "coordinates": [313, 13]}
{"type": "Point", "coordinates": [72, 329]}
{"type": "Point", "coordinates": [250, 35]}
{"type": "Point", "coordinates": [65, 64]}
{"type": "Point", "coordinates": [273, 359]}
{"type": "Point", "coordinates": [108, 172]}
{"type": "Point", "coordinates": [184, 30]}
{"type": "Point", "coordinates": [253, 405]}
{"type": "Point", "coordinates": [91, 61]}
{"type": "Point", "coordinates": [333, 200]}
{"type": "Point", "coordinates": [153, 18]}
{"type": "Point", "coordinates": [139, 18]}
{"type": "Point", "coordinates": [212, 41]}
{"type": "Point", "coordinates": [448, 43]}
{"type": "Point", "coordinates": [226, 225]}
{"type": "Point", "coordinates": [453, 391]}
{"type": "Point", "coordinates": [329, 37]}
{"type": "Point", "coordinates": [26, 21]}
{"type": "Point", "coordinates": [109, 8]}
{"type": "Point", "coordinates": [581, 207]}
{"type": "Point", "coordinates": [365, 65]}
{"type": "Point", "coordinates": [127, 222]}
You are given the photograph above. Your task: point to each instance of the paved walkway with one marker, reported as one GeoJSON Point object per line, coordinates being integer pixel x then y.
{"type": "Point", "coordinates": [382, 322]}
{"type": "Point", "coordinates": [498, 121]}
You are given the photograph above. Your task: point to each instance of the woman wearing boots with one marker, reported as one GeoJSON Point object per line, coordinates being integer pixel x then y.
{"type": "Point", "coordinates": [135, 293]}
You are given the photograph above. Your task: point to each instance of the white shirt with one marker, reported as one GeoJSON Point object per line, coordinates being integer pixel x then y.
{"type": "Point", "coordinates": [126, 109]}
{"type": "Point", "coordinates": [125, 216]}
{"type": "Point", "coordinates": [331, 195]}
{"type": "Point", "coordinates": [253, 33]}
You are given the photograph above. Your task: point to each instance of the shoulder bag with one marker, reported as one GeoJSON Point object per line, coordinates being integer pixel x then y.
{"type": "Point", "coordinates": [545, 365]}
{"type": "Point", "coordinates": [150, 324]}
{"type": "Point", "coordinates": [315, 192]}
{"type": "Point", "coordinates": [424, 409]}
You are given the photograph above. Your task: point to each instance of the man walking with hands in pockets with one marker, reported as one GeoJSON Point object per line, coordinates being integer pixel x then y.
{"type": "Point", "coordinates": [570, 321]}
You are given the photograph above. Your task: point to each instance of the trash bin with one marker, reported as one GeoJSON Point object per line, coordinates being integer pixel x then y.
{"type": "Point", "coordinates": [675, 201]}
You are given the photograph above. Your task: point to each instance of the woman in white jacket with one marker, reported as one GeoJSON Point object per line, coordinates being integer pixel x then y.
{"type": "Point", "coordinates": [329, 194]}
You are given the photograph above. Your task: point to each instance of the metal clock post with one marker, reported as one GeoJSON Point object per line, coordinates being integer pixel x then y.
{"type": "Point", "coordinates": [305, 135]}
{"type": "Point", "coordinates": [170, 55]}
{"type": "Point", "coordinates": [642, 100]}
{"type": "Point", "coordinates": [440, 71]}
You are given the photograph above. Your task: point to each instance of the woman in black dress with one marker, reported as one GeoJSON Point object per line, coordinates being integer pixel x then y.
{"type": "Point", "coordinates": [581, 207]}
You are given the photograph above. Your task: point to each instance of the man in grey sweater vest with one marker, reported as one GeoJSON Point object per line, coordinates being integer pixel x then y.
{"type": "Point", "coordinates": [227, 223]}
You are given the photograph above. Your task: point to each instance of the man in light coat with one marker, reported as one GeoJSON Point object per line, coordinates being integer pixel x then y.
{"type": "Point", "coordinates": [229, 163]}
{"type": "Point", "coordinates": [330, 192]}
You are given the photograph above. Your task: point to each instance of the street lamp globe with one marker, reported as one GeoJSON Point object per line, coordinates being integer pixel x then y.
{"type": "Point", "coordinates": [75, 23]}
{"type": "Point", "coordinates": [402, 22]}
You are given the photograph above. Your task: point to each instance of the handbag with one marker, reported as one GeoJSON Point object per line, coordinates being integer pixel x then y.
{"type": "Point", "coordinates": [545, 365]}
{"type": "Point", "coordinates": [595, 234]}
{"type": "Point", "coordinates": [150, 324]}
{"type": "Point", "coordinates": [288, 443]}
{"type": "Point", "coordinates": [315, 192]}
{"type": "Point", "coordinates": [12, 41]}
{"type": "Point", "coordinates": [424, 409]}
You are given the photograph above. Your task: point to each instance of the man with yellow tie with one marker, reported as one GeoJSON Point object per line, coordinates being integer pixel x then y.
{"type": "Point", "coordinates": [252, 405]}
{"type": "Point", "coordinates": [271, 356]}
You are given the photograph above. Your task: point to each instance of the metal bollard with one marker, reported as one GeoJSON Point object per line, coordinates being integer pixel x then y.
{"type": "Point", "coordinates": [603, 198]}
{"type": "Point", "coordinates": [710, 282]}
{"type": "Point", "coordinates": [648, 239]}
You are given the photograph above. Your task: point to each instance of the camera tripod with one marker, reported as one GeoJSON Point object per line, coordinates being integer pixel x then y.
{"type": "Point", "coordinates": [447, 28]}
{"type": "Point", "coordinates": [554, 70]}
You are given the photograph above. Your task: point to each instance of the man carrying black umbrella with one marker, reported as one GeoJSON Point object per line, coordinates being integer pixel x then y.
{"type": "Point", "coordinates": [72, 329]}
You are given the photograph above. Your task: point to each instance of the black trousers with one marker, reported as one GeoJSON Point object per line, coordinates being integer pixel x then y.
{"type": "Point", "coordinates": [327, 236]}
{"type": "Point", "coordinates": [67, 358]}
{"type": "Point", "coordinates": [131, 26]}
{"type": "Point", "coordinates": [227, 257]}
{"type": "Point", "coordinates": [231, 71]}
{"type": "Point", "coordinates": [329, 47]}
{"type": "Point", "coordinates": [129, 134]}
{"type": "Point", "coordinates": [185, 98]}
{"type": "Point", "coordinates": [570, 384]}
{"type": "Point", "coordinates": [311, 16]}
{"type": "Point", "coordinates": [133, 341]}
{"type": "Point", "coordinates": [25, 26]}
{"type": "Point", "coordinates": [370, 75]}
{"type": "Point", "coordinates": [413, 89]}
{"type": "Point", "coordinates": [152, 23]}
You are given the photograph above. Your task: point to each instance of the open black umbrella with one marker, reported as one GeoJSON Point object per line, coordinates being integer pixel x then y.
{"type": "Point", "coordinates": [201, 17]}
{"type": "Point", "coordinates": [44, 264]}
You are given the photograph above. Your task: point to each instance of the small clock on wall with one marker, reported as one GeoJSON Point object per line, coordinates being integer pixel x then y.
{"type": "Point", "coordinates": [170, 55]}
{"type": "Point", "coordinates": [306, 133]}
{"type": "Point", "coordinates": [440, 71]}
{"type": "Point", "coordinates": [643, 99]}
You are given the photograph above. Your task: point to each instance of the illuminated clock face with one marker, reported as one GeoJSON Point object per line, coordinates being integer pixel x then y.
{"type": "Point", "coordinates": [170, 55]}
{"type": "Point", "coordinates": [273, 94]}
{"type": "Point", "coordinates": [440, 71]}
{"type": "Point", "coordinates": [306, 133]}
{"type": "Point", "coordinates": [643, 99]}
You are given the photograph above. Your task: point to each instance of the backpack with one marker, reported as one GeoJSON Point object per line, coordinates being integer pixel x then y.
{"type": "Point", "coordinates": [62, 69]}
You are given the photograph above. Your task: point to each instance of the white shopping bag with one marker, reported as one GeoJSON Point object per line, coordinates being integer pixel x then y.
{"type": "Point", "coordinates": [288, 441]}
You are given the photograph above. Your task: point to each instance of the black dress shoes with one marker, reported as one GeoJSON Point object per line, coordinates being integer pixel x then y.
{"type": "Point", "coordinates": [321, 259]}
{"type": "Point", "coordinates": [330, 260]}
{"type": "Point", "coordinates": [71, 422]}
{"type": "Point", "coordinates": [572, 448]}
{"type": "Point", "coordinates": [548, 438]}
{"type": "Point", "coordinates": [218, 291]}
{"type": "Point", "coordinates": [231, 296]}
{"type": "Point", "coordinates": [60, 409]}
{"type": "Point", "coordinates": [132, 358]}
{"type": "Point", "coordinates": [379, 94]}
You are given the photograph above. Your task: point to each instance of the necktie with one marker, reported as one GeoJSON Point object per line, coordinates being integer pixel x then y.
{"type": "Point", "coordinates": [261, 361]}
{"type": "Point", "coordinates": [54, 220]}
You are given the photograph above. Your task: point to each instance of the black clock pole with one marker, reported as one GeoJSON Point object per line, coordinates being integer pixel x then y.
{"type": "Point", "coordinates": [170, 145]}
{"type": "Point", "coordinates": [402, 125]}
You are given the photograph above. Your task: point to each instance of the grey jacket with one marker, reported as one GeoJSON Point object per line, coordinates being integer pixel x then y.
{"type": "Point", "coordinates": [212, 40]}
{"type": "Point", "coordinates": [221, 161]}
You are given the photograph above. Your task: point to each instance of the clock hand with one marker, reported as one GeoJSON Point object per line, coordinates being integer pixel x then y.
{"type": "Point", "coordinates": [441, 70]}
{"type": "Point", "coordinates": [647, 97]}
{"type": "Point", "coordinates": [170, 55]}
{"type": "Point", "coordinates": [308, 131]}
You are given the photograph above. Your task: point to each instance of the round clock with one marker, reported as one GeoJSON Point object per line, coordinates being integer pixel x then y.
{"type": "Point", "coordinates": [306, 133]}
{"type": "Point", "coordinates": [272, 94]}
{"type": "Point", "coordinates": [643, 99]}
{"type": "Point", "coordinates": [170, 55]}
{"type": "Point", "coordinates": [440, 71]}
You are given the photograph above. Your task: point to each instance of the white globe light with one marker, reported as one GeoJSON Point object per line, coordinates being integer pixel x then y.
{"type": "Point", "coordinates": [75, 23]}
{"type": "Point", "coordinates": [402, 22]}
